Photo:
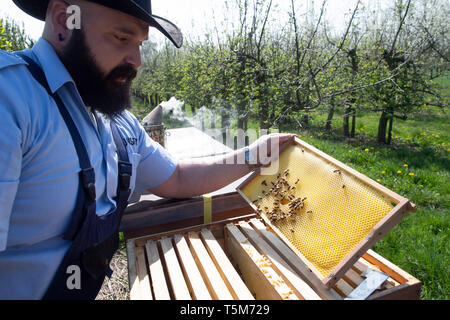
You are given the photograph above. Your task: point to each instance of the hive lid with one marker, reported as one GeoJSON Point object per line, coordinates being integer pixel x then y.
{"type": "Point", "coordinates": [327, 212]}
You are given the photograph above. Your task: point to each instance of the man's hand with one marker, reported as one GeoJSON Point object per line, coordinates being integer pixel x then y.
{"type": "Point", "coordinates": [266, 148]}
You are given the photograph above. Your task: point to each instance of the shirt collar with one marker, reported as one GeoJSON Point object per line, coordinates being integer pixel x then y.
{"type": "Point", "coordinates": [55, 71]}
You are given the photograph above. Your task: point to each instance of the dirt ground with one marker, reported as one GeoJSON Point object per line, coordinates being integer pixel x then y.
{"type": "Point", "coordinates": [116, 288]}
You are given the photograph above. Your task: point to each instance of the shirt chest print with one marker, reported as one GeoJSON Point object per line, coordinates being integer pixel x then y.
{"type": "Point", "coordinates": [130, 141]}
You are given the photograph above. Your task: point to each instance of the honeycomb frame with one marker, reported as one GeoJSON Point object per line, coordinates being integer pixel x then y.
{"type": "Point", "coordinates": [344, 213]}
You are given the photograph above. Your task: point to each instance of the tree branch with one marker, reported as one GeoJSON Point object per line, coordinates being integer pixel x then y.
{"type": "Point", "coordinates": [400, 27]}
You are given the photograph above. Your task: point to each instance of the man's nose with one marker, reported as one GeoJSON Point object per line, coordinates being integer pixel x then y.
{"type": "Point", "coordinates": [134, 58]}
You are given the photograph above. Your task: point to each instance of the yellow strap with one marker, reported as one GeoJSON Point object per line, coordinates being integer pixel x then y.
{"type": "Point", "coordinates": [207, 209]}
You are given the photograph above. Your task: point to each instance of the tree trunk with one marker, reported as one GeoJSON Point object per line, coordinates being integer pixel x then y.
{"type": "Point", "coordinates": [266, 123]}
{"type": "Point", "coordinates": [382, 127]}
{"type": "Point", "coordinates": [202, 120]}
{"type": "Point", "coordinates": [265, 113]}
{"type": "Point", "coordinates": [305, 120]}
{"type": "Point", "coordinates": [346, 122]}
{"type": "Point", "coordinates": [225, 123]}
{"type": "Point", "coordinates": [240, 123]}
{"type": "Point", "coordinates": [213, 120]}
{"type": "Point", "coordinates": [330, 117]}
{"type": "Point", "coordinates": [245, 131]}
{"type": "Point", "coordinates": [352, 134]}
{"type": "Point", "coordinates": [391, 120]}
{"type": "Point", "coordinates": [240, 112]}
{"type": "Point", "coordinates": [385, 126]}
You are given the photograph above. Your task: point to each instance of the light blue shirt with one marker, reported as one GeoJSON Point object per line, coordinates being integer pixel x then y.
{"type": "Point", "coordinates": [39, 168]}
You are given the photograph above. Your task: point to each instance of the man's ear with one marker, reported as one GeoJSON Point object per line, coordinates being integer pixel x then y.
{"type": "Point", "coordinates": [57, 15]}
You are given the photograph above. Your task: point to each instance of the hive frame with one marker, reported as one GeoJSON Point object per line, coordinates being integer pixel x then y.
{"type": "Point", "coordinates": [400, 285]}
{"type": "Point", "coordinates": [402, 207]}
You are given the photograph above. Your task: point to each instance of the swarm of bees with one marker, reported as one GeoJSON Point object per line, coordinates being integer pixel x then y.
{"type": "Point", "coordinates": [283, 194]}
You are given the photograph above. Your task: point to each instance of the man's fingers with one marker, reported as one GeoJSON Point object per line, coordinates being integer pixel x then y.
{"type": "Point", "coordinates": [287, 137]}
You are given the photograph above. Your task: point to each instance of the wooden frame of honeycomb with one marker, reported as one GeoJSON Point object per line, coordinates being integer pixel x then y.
{"type": "Point", "coordinates": [329, 214]}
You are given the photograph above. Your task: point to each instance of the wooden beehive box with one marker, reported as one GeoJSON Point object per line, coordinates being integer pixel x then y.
{"type": "Point", "coordinates": [241, 258]}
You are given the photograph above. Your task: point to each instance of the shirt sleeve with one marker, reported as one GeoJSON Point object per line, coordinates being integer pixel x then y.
{"type": "Point", "coordinates": [12, 134]}
{"type": "Point", "coordinates": [156, 164]}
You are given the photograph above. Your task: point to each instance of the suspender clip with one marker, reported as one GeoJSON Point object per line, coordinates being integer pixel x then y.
{"type": "Point", "coordinates": [88, 181]}
{"type": "Point", "coordinates": [125, 173]}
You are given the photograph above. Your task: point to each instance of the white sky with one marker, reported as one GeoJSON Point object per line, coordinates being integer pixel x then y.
{"type": "Point", "coordinates": [191, 16]}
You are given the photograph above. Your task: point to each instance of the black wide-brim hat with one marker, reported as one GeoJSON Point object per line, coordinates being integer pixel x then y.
{"type": "Point", "coordinates": [141, 9]}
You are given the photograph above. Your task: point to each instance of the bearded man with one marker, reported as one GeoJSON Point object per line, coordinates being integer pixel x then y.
{"type": "Point", "coordinates": [67, 169]}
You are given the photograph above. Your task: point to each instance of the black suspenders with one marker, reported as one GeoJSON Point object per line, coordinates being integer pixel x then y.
{"type": "Point", "coordinates": [94, 239]}
{"type": "Point", "coordinates": [87, 174]}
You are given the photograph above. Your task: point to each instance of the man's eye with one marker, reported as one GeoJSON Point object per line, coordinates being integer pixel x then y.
{"type": "Point", "coordinates": [122, 39]}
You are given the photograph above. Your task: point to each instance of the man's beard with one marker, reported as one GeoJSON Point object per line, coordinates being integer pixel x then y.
{"type": "Point", "coordinates": [99, 91]}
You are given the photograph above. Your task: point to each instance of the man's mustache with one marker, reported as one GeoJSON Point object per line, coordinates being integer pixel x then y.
{"type": "Point", "coordinates": [123, 71]}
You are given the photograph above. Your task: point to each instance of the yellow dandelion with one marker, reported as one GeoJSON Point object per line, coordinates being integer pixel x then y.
{"type": "Point", "coordinates": [405, 165]}
{"type": "Point", "coordinates": [420, 185]}
{"type": "Point", "coordinates": [411, 174]}
{"type": "Point", "coordinates": [379, 180]}
{"type": "Point", "coordinates": [383, 172]}
{"type": "Point", "coordinates": [399, 171]}
{"type": "Point", "coordinates": [366, 150]}
{"type": "Point", "coordinates": [438, 194]}
{"type": "Point", "coordinates": [350, 150]}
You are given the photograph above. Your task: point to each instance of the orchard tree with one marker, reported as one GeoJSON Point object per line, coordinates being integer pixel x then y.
{"type": "Point", "coordinates": [13, 36]}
